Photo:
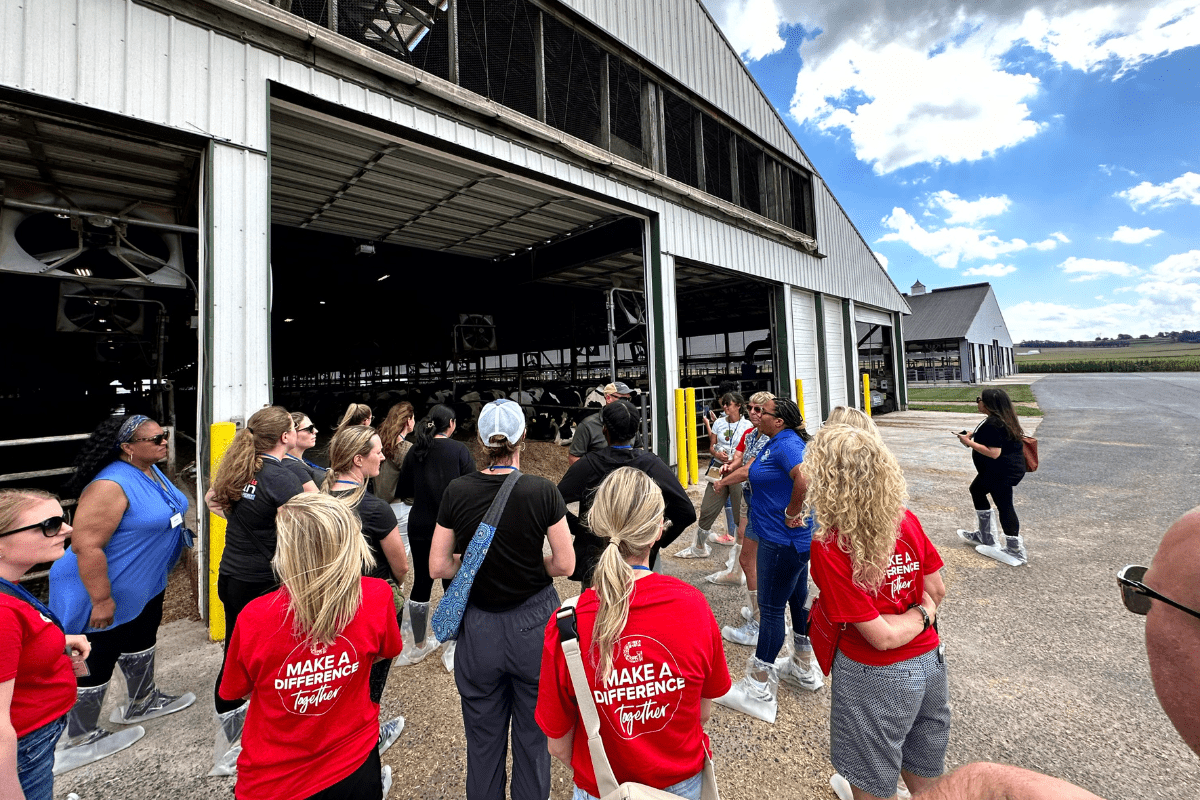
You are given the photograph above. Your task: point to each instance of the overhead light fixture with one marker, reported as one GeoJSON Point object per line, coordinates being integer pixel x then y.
{"type": "Point", "coordinates": [383, 277]}
{"type": "Point", "coordinates": [365, 249]}
{"type": "Point", "coordinates": [322, 302]}
{"type": "Point", "coordinates": [289, 319]}
{"type": "Point", "coordinates": [83, 272]}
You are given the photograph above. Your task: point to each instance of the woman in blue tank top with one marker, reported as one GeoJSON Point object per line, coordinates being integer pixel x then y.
{"type": "Point", "coordinates": [129, 532]}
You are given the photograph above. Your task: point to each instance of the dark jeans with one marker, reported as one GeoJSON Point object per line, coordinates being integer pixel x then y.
{"type": "Point", "coordinates": [235, 595]}
{"type": "Point", "coordinates": [365, 783]}
{"type": "Point", "coordinates": [35, 760]}
{"type": "Point", "coordinates": [496, 667]}
{"type": "Point", "coordinates": [140, 633]}
{"type": "Point", "coordinates": [1001, 490]}
{"type": "Point", "coordinates": [782, 582]}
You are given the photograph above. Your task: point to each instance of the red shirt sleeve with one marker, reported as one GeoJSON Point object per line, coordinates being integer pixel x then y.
{"type": "Point", "coordinates": [556, 706]}
{"type": "Point", "coordinates": [841, 598]}
{"type": "Point", "coordinates": [741, 445]}
{"type": "Point", "coordinates": [236, 682]}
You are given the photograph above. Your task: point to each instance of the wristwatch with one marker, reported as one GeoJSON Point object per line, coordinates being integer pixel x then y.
{"type": "Point", "coordinates": [924, 614]}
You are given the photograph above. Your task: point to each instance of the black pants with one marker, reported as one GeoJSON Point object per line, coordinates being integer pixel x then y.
{"type": "Point", "coordinates": [422, 586]}
{"type": "Point", "coordinates": [140, 633]}
{"type": "Point", "coordinates": [365, 783]}
{"type": "Point", "coordinates": [235, 595]}
{"type": "Point", "coordinates": [1001, 490]}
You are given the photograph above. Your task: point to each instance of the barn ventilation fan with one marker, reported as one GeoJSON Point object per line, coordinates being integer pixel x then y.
{"type": "Point", "coordinates": [94, 239]}
{"type": "Point", "coordinates": [106, 310]}
{"type": "Point", "coordinates": [475, 333]}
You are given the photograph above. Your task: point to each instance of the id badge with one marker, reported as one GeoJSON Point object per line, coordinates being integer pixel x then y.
{"type": "Point", "coordinates": [176, 520]}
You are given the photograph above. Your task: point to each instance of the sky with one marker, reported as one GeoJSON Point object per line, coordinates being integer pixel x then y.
{"type": "Point", "coordinates": [1051, 149]}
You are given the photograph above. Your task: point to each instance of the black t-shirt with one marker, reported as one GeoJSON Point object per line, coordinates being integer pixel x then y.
{"type": "Point", "coordinates": [304, 471]}
{"type": "Point", "coordinates": [1011, 463]}
{"type": "Point", "coordinates": [513, 570]}
{"type": "Point", "coordinates": [378, 520]}
{"type": "Point", "coordinates": [250, 534]}
{"type": "Point", "coordinates": [585, 476]}
{"type": "Point", "coordinates": [426, 481]}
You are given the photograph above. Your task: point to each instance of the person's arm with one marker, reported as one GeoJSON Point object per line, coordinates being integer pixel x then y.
{"type": "Point", "coordinates": [571, 459]}
{"type": "Point", "coordinates": [935, 587]}
{"type": "Point", "coordinates": [799, 492]}
{"type": "Point", "coordinates": [889, 631]}
{"type": "Point", "coordinates": [309, 486]}
{"type": "Point", "coordinates": [78, 649]}
{"type": "Point", "coordinates": [705, 710]}
{"type": "Point", "coordinates": [561, 560]}
{"type": "Point", "coordinates": [734, 462]}
{"type": "Point", "coordinates": [734, 476]}
{"type": "Point", "coordinates": [443, 561]}
{"type": "Point", "coordinates": [210, 500]}
{"type": "Point", "coordinates": [392, 546]}
{"type": "Point", "coordinates": [561, 747]}
{"type": "Point", "coordinates": [101, 507]}
{"type": "Point", "coordinates": [984, 781]}
{"type": "Point", "coordinates": [982, 449]}
{"type": "Point", "coordinates": [10, 784]}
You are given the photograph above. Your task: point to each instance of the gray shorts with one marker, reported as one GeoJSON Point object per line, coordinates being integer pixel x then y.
{"type": "Point", "coordinates": [882, 719]}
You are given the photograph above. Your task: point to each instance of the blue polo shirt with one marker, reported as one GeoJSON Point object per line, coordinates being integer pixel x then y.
{"type": "Point", "coordinates": [772, 485]}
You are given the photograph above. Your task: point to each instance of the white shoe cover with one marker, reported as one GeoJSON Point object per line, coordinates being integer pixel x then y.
{"type": "Point", "coordinates": [802, 674]}
{"type": "Point", "coordinates": [448, 656]}
{"type": "Point", "coordinates": [95, 746]}
{"type": "Point", "coordinates": [389, 732]}
{"type": "Point", "coordinates": [160, 706]}
{"type": "Point", "coordinates": [752, 697]}
{"type": "Point", "coordinates": [841, 787]}
{"type": "Point", "coordinates": [410, 652]}
{"type": "Point", "coordinates": [227, 745]}
{"type": "Point", "coordinates": [1003, 556]}
{"type": "Point", "coordinates": [699, 547]}
{"type": "Point", "coordinates": [746, 635]}
{"type": "Point", "coordinates": [732, 575]}
{"type": "Point", "coordinates": [385, 775]}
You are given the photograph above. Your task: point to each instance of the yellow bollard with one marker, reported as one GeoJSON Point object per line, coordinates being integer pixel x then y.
{"type": "Point", "coordinates": [867, 393]}
{"type": "Point", "coordinates": [800, 396]}
{"type": "Point", "coordinates": [693, 454]}
{"type": "Point", "coordinates": [220, 436]}
{"type": "Point", "coordinates": [681, 436]}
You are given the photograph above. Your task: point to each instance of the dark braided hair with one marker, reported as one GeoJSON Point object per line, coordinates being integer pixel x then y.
{"type": "Point", "coordinates": [787, 411]}
{"type": "Point", "coordinates": [437, 421]}
{"type": "Point", "coordinates": [96, 453]}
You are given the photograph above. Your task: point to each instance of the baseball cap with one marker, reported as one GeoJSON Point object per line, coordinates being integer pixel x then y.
{"type": "Point", "coordinates": [618, 388]}
{"type": "Point", "coordinates": [504, 418]}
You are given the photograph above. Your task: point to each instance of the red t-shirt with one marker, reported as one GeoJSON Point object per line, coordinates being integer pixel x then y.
{"type": "Point", "coordinates": [845, 601]}
{"type": "Point", "coordinates": [668, 657]}
{"type": "Point", "coordinates": [311, 721]}
{"type": "Point", "coordinates": [32, 655]}
{"type": "Point", "coordinates": [741, 445]}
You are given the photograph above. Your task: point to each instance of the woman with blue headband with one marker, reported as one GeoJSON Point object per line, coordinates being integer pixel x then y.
{"type": "Point", "coordinates": [129, 532]}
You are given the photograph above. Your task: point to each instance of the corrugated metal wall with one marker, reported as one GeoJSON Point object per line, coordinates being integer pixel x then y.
{"type": "Point", "coordinates": [835, 349]}
{"type": "Point", "coordinates": [804, 346]}
{"type": "Point", "coordinates": [859, 275]}
{"type": "Point", "coordinates": [872, 315]}
{"type": "Point", "coordinates": [681, 38]}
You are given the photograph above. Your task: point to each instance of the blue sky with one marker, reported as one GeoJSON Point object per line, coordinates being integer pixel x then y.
{"type": "Point", "coordinates": [1049, 148]}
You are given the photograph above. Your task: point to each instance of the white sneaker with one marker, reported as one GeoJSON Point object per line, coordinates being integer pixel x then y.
{"type": "Point", "coordinates": [385, 776]}
{"type": "Point", "coordinates": [722, 538]}
{"type": "Point", "coordinates": [388, 733]}
{"type": "Point", "coordinates": [746, 635]}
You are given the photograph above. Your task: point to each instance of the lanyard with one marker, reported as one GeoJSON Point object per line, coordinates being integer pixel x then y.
{"type": "Point", "coordinates": [622, 447]}
{"type": "Point", "coordinates": [640, 566]}
{"type": "Point", "coordinates": [169, 498]}
{"type": "Point", "coordinates": [502, 466]}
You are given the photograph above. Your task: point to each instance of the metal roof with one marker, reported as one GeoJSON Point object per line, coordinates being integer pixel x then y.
{"type": "Point", "coordinates": [944, 313]}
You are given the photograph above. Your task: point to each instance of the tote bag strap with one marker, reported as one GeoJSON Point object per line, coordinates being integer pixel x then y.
{"type": "Point", "coordinates": [568, 634]}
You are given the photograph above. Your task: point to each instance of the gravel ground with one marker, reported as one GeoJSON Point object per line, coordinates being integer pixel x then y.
{"type": "Point", "coordinates": [1047, 669]}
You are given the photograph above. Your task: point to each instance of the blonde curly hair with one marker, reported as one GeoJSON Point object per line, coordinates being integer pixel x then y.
{"type": "Point", "coordinates": [856, 497]}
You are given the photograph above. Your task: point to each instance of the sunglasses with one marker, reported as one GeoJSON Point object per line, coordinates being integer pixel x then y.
{"type": "Point", "coordinates": [50, 527]}
{"type": "Point", "coordinates": [158, 439]}
{"type": "Point", "coordinates": [1137, 596]}
{"type": "Point", "coordinates": [307, 429]}
{"type": "Point", "coordinates": [756, 409]}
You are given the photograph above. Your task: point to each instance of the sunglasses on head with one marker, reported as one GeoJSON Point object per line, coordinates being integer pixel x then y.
{"type": "Point", "coordinates": [1137, 596]}
{"type": "Point", "coordinates": [50, 527]}
{"type": "Point", "coordinates": [157, 439]}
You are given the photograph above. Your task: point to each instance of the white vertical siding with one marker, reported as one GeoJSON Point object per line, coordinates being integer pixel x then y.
{"type": "Point", "coordinates": [669, 346]}
{"type": "Point", "coordinates": [855, 273]}
{"type": "Point", "coordinates": [835, 352]}
{"type": "Point", "coordinates": [241, 291]}
{"type": "Point", "coordinates": [804, 346]}
{"type": "Point", "coordinates": [872, 315]}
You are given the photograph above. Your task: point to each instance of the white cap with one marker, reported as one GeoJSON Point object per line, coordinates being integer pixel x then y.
{"type": "Point", "coordinates": [504, 418]}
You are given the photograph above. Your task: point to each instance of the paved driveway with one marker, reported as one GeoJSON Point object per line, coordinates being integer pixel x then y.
{"type": "Point", "coordinates": [1049, 670]}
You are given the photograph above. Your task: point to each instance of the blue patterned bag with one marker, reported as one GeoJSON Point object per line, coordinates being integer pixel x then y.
{"type": "Point", "coordinates": [448, 617]}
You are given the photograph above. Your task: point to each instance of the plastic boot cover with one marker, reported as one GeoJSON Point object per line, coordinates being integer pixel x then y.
{"type": "Point", "coordinates": [1013, 553]}
{"type": "Point", "coordinates": [788, 649]}
{"type": "Point", "coordinates": [385, 775]}
{"type": "Point", "coordinates": [902, 792]}
{"type": "Point", "coordinates": [841, 787]}
{"type": "Point", "coordinates": [699, 548]}
{"type": "Point", "coordinates": [746, 635]}
{"type": "Point", "coordinates": [418, 618]}
{"type": "Point", "coordinates": [732, 575]}
{"type": "Point", "coordinates": [448, 656]}
{"type": "Point", "coordinates": [85, 742]}
{"type": "Point", "coordinates": [754, 697]}
{"type": "Point", "coordinates": [227, 745]}
{"type": "Point", "coordinates": [721, 538]}
{"type": "Point", "coordinates": [985, 534]}
{"type": "Point", "coordinates": [802, 672]}
{"type": "Point", "coordinates": [388, 733]}
{"type": "Point", "coordinates": [146, 701]}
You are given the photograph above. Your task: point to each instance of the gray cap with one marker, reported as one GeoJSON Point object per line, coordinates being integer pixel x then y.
{"type": "Point", "coordinates": [504, 418]}
{"type": "Point", "coordinates": [618, 388]}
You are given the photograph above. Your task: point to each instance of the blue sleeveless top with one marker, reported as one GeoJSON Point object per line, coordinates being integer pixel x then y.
{"type": "Point", "coordinates": [140, 553]}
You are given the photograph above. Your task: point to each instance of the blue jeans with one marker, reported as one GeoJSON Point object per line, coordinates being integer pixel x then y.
{"type": "Point", "coordinates": [35, 760]}
{"type": "Point", "coordinates": [688, 788]}
{"type": "Point", "coordinates": [782, 581]}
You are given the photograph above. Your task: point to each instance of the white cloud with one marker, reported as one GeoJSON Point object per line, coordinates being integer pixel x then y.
{"type": "Point", "coordinates": [991, 270]}
{"type": "Point", "coordinates": [1089, 269]}
{"type": "Point", "coordinates": [883, 260]}
{"type": "Point", "coordinates": [947, 246]}
{"type": "Point", "coordinates": [1184, 189]}
{"type": "Point", "coordinates": [968, 212]}
{"type": "Point", "coordinates": [1128, 235]}
{"type": "Point", "coordinates": [932, 81]}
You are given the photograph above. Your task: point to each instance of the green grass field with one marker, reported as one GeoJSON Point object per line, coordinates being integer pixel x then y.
{"type": "Point", "coordinates": [1136, 351]}
{"type": "Point", "coordinates": [1018, 393]}
{"type": "Point", "coordinates": [1022, 411]}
